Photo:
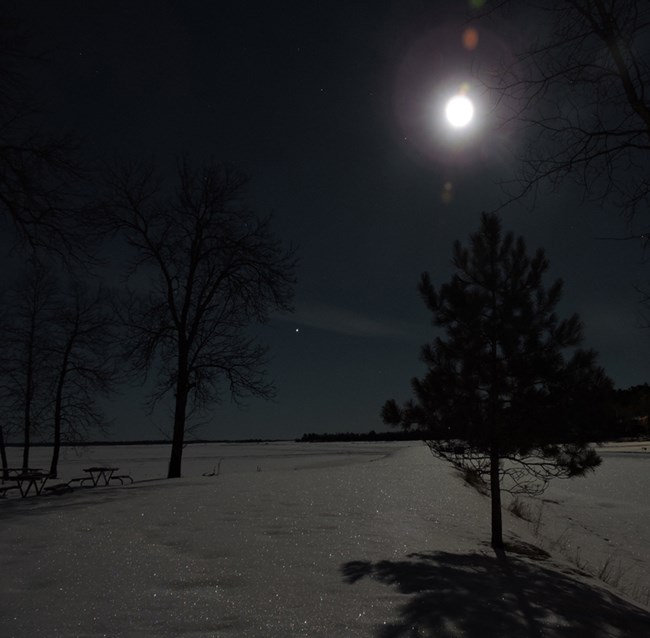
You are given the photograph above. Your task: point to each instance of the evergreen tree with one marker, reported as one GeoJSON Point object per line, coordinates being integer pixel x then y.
{"type": "Point", "coordinates": [504, 400]}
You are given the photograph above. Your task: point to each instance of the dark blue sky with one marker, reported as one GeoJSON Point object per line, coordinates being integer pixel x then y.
{"type": "Point", "coordinates": [331, 108]}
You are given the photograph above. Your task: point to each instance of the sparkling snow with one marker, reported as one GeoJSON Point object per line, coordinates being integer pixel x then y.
{"type": "Point", "coordinates": [291, 539]}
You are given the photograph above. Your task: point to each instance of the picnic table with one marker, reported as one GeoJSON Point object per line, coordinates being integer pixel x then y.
{"type": "Point", "coordinates": [28, 480]}
{"type": "Point", "coordinates": [25, 479]}
{"type": "Point", "coordinates": [99, 475]}
{"type": "Point", "coordinates": [15, 471]}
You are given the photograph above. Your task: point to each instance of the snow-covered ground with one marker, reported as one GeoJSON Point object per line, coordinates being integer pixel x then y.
{"type": "Point", "coordinates": [305, 540]}
{"type": "Point", "coordinates": [602, 522]}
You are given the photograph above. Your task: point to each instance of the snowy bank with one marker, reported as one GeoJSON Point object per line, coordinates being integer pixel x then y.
{"type": "Point", "coordinates": [296, 540]}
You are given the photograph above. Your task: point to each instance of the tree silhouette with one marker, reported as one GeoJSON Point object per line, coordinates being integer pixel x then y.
{"type": "Point", "coordinates": [500, 399]}
{"type": "Point", "coordinates": [579, 87]}
{"type": "Point", "coordinates": [58, 356]}
{"type": "Point", "coordinates": [45, 193]}
{"type": "Point", "coordinates": [82, 363]}
{"type": "Point", "coordinates": [25, 347]}
{"type": "Point", "coordinates": [213, 269]}
{"type": "Point", "coordinates": [633, 411]}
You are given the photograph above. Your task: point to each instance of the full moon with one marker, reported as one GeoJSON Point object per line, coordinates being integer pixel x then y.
{"type": "Point", "coordinates": [459, 111]}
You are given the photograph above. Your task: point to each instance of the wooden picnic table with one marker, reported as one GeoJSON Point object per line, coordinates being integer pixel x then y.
{"type": "Point", "coordinates": [34, 480]}
{"type": "Point", "coordinates": [15, 471]}
{"type": "Point", "coordinates": [99, 475]}
{"type": "Point", "coordinates": [26, 480]}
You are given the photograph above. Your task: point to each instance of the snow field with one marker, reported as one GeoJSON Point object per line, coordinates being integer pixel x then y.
{"type": "Point", "coordinates": [331, 540]}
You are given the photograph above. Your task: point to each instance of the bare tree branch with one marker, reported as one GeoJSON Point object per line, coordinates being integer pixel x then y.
{"type": "Point", "coordinates": [579, 94]}
{"type": "Point", "coordinates": [212, 270]}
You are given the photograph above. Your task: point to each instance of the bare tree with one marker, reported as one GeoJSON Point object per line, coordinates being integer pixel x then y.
{"type": "Point", "coordinates": [44, 193]}
{"type": "Point", "coordinates": [4, 390]}
{"type": "Point", "coordinates": [212, 269]}
{"type": "Point", "coordinates": [580, 90]}
{"type": "Point", "coordinates": [3, 451]}
{"type": "Point", "coordinates": [82, 356]}
{"type": "Point", "coordinates": [57, 358]}
{"type": "Point", "coordinates": [26, 336]}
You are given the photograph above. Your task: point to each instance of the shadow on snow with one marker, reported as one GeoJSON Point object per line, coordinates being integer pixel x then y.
{"type": "Point", "coordinates": [476, 595]}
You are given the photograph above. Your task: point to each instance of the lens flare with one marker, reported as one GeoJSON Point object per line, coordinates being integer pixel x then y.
{"type": "Point", "coordinates": [470, 38]}
{"type": "Point", "coordinates": [447, 194]}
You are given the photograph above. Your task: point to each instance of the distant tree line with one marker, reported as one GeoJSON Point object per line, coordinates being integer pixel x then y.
{"type": "Point", "coordinates": [631, 409]}
{"type": "Point", "coordinates": [329, 437]}
{"type": "Point", "coordinates": [627, 416]}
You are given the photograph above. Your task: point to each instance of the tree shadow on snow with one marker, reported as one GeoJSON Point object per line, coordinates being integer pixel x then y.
{"type": "Point", "coordinates": [477, 595]}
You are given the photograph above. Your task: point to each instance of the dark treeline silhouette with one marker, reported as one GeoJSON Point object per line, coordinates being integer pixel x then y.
{"type": "Point", "coordinates": [631, 413]}
{"type": "Point", "coordinates": [628, 413]}
{"type": "Point", "coordinates": [329, 437]}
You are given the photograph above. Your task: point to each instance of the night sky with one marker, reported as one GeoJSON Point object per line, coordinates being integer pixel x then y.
{"type": "Point", "coordinates": [334, 110]}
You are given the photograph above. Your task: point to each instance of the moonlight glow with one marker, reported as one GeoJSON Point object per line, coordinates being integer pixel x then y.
{"type": "Point", "coordinates": [459, 111]}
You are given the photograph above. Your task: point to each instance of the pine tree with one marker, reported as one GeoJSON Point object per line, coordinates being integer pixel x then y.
{"type": "Point", "coordinates": [509, 398]}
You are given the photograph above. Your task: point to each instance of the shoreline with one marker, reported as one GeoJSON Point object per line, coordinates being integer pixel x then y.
{"type": "Point", "coordinates": [638, 447]}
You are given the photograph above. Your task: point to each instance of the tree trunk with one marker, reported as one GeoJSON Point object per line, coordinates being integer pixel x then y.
{"type": "Point", "coordinates": [29, 391]}
{"type": "Point", "coordinates": [3, 455]}
{"type": "Point", "coordinates": [495, 466]}
{"type": "Point", "coordinates": [56, 447]}
{"type": "Point", "coordinates": [182, 389]}
{"type": "Point", "coordinates": [56, 443]}
{"type": "Point", "coordinates": [495, 498]}
{"type": "Point", "coordinates": [27, 417]}
{"type": "Point", "coordinates": [58, 408]}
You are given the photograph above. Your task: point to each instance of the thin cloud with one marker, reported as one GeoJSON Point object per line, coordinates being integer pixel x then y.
{"type": "Point", "coordinates": [347, 322]}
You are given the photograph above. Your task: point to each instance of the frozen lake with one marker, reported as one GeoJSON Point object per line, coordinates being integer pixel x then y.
{"type": "Point", "coordinates": [145, 462]}
{"type": "Point", "coordinates": [325, 540]}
